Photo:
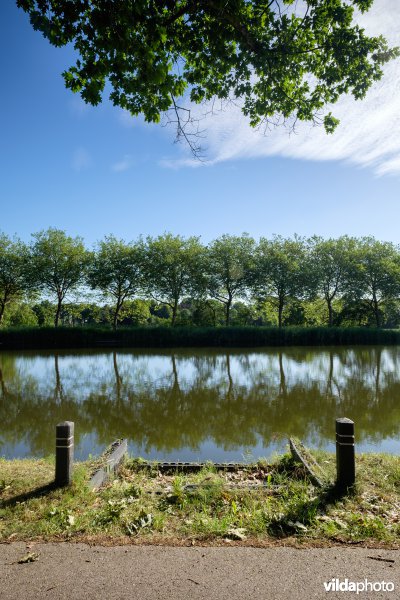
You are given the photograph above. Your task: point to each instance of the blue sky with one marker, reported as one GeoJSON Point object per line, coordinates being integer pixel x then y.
{"type": "Point", "coordinates": [94, 170]}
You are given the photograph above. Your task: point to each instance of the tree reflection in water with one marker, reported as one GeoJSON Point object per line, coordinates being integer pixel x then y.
{"type": "Point", "coordinates": [167, 402]}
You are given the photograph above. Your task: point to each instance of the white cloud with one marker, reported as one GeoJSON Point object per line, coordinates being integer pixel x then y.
{"type": "Point", "coordinates": [126, 163]}
{"type": "Point", "coordinates": [81, 160]}
{"type": "Point", "coordinates": [368, 134]}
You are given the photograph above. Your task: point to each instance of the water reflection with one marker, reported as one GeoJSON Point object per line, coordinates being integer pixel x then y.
{"type": "Point", "coordinates": [199, 404]}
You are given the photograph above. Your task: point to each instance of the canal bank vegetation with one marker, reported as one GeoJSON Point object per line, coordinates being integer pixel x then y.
{"type": "Point", "coordinates": [173, 337]}
{"type": "Point", "coordinates": [262, 503]}
{"type": "Point", "coordinates": [170, 280]}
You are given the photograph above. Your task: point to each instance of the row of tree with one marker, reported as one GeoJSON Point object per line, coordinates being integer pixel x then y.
{"type": "Point", "coordinates": [170, 269]}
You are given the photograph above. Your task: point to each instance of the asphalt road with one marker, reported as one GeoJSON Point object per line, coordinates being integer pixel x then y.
{"type": "Point", "coordinates": [78, 571]}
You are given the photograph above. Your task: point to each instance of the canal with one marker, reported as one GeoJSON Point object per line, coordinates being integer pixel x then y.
{"type": "Point", "coordinates": [199, 404]}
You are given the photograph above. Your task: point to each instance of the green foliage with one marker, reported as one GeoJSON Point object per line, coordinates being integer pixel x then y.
{"type": "Point", "coordinates": [294, 313]}
{"type": "Point", "coordinates": [172, 269]}
{"type": "Point", "coordinates": [207, 313]}
{"type": "Point", "coordinates": [328, 269]}
{"type": "Point", "coordinates": [58, 264]}
{"type": "Point", "coordinates": [314, 313]}
{"type": "Point", "coordinates": [243, 314]}
{"type": "Point", "coordinates": [280, 62]}
{"type": "Point", "coordinates": [135, 312]}
{"type": "Point", "coordinates": [15, 279]}
{"type": "Point", "coordinates": [115, 270]}
{"type": "Point", "coordinates": [73, 314]}
{"type": "Point", "coordinates": [171, 280]}
{"type": "Point", "coordinates": [374, 274]}
{"type": "Point", "coordinates": [44, 313]}
{"type": "Point", "coordinates": [20, 314]}
{"type": "Point", "coordinates": [279, 273]}
{"type": "Point", "coordinates": [228, 263]}
{"type": "Point", "coordinates": [160, 312]}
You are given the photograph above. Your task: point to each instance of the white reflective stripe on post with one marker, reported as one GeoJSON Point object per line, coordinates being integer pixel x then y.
{"type": "Point", "coordinates": [69, 440]}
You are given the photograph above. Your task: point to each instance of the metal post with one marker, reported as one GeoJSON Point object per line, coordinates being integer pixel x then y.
{"type": "Point", "coordinates": [64, 453]}
{"type": "Point", "coordinates": [345, 456]}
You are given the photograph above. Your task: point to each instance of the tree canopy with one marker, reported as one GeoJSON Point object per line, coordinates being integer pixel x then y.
{"type": "Point", "coordinates": [329, 268]}
{"type": "Point", "coordinates": [14, 279]}
{"type": "Point", "coordinates": [171, 268]}
{"type": "Point", "coordinates": [115, 269]}
{"type": "Point", "coordinates": [173, 280]}
{"type": "Point", "coordinates": [374, 273]}
{"type": "Point", "coordinates": [279, 58]}
{"type": "Point", "coordinates": [229, 263]}
{"type": "Point", "coordinates": [278, 272]}
{"type": "Point", "coordinates": [58, 263]}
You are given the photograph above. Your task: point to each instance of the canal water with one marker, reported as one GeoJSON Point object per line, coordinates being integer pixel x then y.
{"type": "Point", "coordinates": [199, 404]}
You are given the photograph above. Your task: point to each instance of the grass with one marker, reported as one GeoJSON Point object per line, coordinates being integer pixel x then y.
{"type": "Point", "coordinates": [167, 337]}
{"type": "Point", "coordinates": [258, 504]}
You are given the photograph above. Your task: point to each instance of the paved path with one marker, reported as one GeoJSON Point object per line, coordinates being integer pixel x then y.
{"type": "Point", "coordinates": [77, 571]}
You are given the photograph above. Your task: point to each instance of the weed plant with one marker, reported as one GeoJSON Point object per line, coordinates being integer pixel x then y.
{"type": "Point", "coordinates": [256, 504]}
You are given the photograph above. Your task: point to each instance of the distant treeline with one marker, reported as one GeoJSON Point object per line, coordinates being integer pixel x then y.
{"type": "Point", "coordinates": [172, 280]}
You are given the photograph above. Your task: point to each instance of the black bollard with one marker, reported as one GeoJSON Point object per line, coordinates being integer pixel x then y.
{"type": "Point", "coordinates": [64, 453]}
{"type": "Point", "coordinates": [345, 456]}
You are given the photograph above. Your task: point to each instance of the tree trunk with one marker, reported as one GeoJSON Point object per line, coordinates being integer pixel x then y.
{"type": "Point", "coordinates": [58, 392]}
{"type": "Point", "coordinates": [230, 380]}
{"type": "Point", "coordinates": [378, 373]}
{"type": "Point", "coordinates": [58, 312]}
{"type": "Point", "coordinates": [115, 318]}
{"type": "Point", "coordinates": [330, 375]}
{"type": "Point", "coordinates": [2, 385]}
{"type": "Point", "coordinates": [3, 303]}
{"type": "Point", "coordinates": [330, 311]}
{"type": "Point", "coordinates": [174, 312]}
{"type": "Point", "coordinates": [376, 312]}
{"type": "Point", "coordinates": [228, 311]}
{"type": "Point", "coordinates": [117, 310]}
{"type": "Point", "coordinates": [175, 386]}
{"type": "Point", "coordinates": [280, 312]}
{"type": "Point", "coordinates": [214, 314]}
{"type": "Point", "coordinates": [282, 383]}
{"type": "Point", "coordinates": [118, 378]}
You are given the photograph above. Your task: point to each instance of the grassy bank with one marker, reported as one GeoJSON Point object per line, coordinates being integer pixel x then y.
{"type": "Point", "coordinates": [168, 337]}
{"type": "Point", "coordinates": [261, 504]}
